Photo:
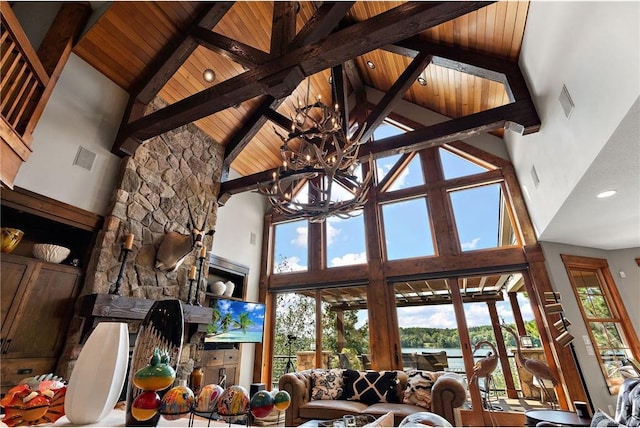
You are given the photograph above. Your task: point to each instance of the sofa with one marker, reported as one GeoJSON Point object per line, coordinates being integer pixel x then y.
{"type": "Point", "coordinates": [316, 394]}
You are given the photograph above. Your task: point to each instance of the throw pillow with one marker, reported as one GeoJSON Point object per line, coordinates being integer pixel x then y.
{"type": "Point", "coordinates": [386, 420]}
{"type": "Point", "coordinates": [601, 419]}
{"type": "Point", "coordinates": [326, 384]}
{"type": "Point", "coordinates": [419, 384]}
{"type": "Point", "coordinates": [370, 387]}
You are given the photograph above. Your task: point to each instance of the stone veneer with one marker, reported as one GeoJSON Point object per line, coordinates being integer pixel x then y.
{"type": "Point", "coordinates": [168, 173]}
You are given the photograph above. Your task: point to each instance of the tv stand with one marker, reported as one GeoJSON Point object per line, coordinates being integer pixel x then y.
{"type": "Point", "coordinates": [220, 363]}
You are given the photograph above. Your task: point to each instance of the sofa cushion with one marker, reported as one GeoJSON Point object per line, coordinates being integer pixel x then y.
{"type": "Point", "coordinates": [370, 386]}
{"type": "Point", "coordinates": [327, 384]}
{"type": "Point", "coordinates": [419, 384]}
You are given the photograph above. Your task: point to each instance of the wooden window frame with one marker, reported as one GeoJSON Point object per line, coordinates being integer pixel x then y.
{"type": "Point", "coordinates": [615, 303]}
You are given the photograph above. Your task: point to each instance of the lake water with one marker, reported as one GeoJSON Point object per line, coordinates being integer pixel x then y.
{"type": "Point", "coordinates": [454, 355]}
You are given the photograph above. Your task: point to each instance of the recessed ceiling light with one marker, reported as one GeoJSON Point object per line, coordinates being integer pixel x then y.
{"type": "Point", "coordinates": [606, 194]}
{"type": "Point", "coordinates": [422, 81]}
{"type": "Point", "coordinates": [371, 65]}
{"type": "Point", "coordinates": [209, 75]}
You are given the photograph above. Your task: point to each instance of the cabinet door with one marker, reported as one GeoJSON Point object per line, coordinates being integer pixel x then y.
{"type": "Point", "coordinates": [13, 276]}
{"type": "Point", "coordinates": [44, 312]}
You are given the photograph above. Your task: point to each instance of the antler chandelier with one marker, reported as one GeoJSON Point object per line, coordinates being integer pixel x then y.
{"type": "Point", "coordinates": [318, 152]}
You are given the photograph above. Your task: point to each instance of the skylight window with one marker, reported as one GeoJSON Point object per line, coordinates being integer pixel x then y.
{"type": "Point", "coordinates": [455, 166]}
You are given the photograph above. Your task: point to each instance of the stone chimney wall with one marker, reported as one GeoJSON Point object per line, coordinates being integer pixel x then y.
{"type": "Point", "coordinates": [157, 185]}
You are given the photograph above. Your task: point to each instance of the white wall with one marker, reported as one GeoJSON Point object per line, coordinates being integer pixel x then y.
{"type": "Point", "coordinates": [85, 109]}
{"type": "Point", "coordinates": [619, 260]}
{"type": "Point", "coordinates": [242, 215]}
{"type": "Point", "coordinates": [592, 48]}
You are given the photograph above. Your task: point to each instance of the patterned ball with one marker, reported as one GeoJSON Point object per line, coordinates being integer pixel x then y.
{"type": "Point", "coordinates": [282, 399]}
{"type": "Point", "coordinates": [261, 404]}
{"type": "Point", "coordinates": [177, 401]}
{"type": "Point", "coordinates": [424, 418]}
{"type": "Point", "coordinates": [233, 401]}
{"type": "Point", "coordinates": [208, 398]}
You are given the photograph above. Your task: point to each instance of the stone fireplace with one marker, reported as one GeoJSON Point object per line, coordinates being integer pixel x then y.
{"type": "Point", "coordinates": [165, 178]}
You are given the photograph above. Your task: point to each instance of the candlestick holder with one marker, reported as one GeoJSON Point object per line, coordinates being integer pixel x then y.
{"type": "Point", "coordinates": [124, 253]}
{"type": "Point", "coordinates": [189, 298]}
{"type": "Point", "coordinates": [200, 265]}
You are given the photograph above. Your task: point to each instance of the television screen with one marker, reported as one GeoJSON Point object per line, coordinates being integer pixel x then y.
{"type": "Point", "coordinates": [235, 321]}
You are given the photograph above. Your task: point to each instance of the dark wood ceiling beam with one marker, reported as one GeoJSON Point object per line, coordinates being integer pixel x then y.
{"type": "Point", "coordinates": [360, 109]}
{"type": "Point", "coordinates": [280, 120]}
{"type": "Point", "coordinates": [251, 127]}
{"type": "Point", "coordinates": [283, 28]}
{"type": "Point", "coordinates": [395, 93]}
{"type": "Point", "coordinates": [175, 53]}
{"type": "Point", "coordinates": [520, 112]}
{"type": "Point", "coordinates": [468, 62]}
{"type": "Point", "coordinates": [158, 73]}
{"type": "Point", "coordinates": [321, 23]}
{"type": "Point", "coordinates": [396, 24]}
{"type": "Point", "coordinates": [234, 50]}
{"type": "Point", "coordinates": [340, 96]}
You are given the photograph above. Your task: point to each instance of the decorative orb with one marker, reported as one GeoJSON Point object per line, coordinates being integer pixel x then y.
{"type": "Point", "coordinates": [261, 404]}
{"type": "Point", "coordinates": [208, 398]}
{"type": "Point", "coordinates": [157, 376]}
{"type": "Point", "coordinates": [145, 406]}
{"type": "Point", "coordinates": [424, 419]}
{"type": "Point", "coordinates": [177, 401]}
{"type": "Point", "coordinates": [35, 408]}
{"type": "Point", "coordinates": [233, 401]}
{"type": "Point", "coordinates": [282, 400]}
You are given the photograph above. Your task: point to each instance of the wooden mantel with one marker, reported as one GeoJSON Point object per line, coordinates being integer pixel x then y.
{"type": "Point", "coordinates": [101, 307]}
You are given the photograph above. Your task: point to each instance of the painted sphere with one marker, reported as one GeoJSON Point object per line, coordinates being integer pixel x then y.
{"type": "Point", "coordinates": [208, 398]}
{"type": "Point", "coordinates": [282, 400]}
{"type": "Point", "coordinates": [233, 401]}
{"type": "Point", "coordinates": [145, 406]}
{"type": "Point", "coordinates": [424, 418]}
{"type": "Point", "coordinates": [177, 401]}
{"type": "Point", "coordinates": [158, 375]}
{"type": "Point", "coordinates": [261, 404]}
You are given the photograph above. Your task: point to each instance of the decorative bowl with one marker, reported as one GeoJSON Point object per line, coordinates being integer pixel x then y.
{"type": "Point", "coordinates": [10, 238]}
{"type": "Point", "coordinates": [50, 253]}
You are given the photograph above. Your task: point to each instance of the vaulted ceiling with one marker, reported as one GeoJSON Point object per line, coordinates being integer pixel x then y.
{"type": "Point", "coordinates": [266, 55]}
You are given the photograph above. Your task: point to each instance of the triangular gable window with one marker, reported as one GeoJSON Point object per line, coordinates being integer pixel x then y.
{"type": "Point", "coordinates": [455, 166]}
{"type": "Point", "coordinates": [408, 176]}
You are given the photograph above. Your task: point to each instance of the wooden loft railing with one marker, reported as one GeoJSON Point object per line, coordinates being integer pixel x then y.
{"type": "Point", "coordinates": [27, 79]}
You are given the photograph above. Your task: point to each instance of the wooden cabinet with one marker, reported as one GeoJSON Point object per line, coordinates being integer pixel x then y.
{"type": "Point", "coordinates": [217, 363]}
{"type": "Point", "coordinates": [38, 299]}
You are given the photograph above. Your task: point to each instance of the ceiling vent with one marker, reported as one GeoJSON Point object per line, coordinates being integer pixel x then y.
{"type": "Point", "coordinates": [566, 102]}
{"type": "Point", "coordinates": [85, 158]}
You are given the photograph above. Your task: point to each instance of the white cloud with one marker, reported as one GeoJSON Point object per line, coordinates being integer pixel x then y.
{"type": "Point", "coordinates": [470, 245]}
{"type": "Point", "coordinates": [332, 232]}
{"type": "Point", "coordinates": [440, 316]}
{"type": "Point", "coordinates": [301, 238]}
{"type": "Point", "coordinates": [349, 259]}
{"type": "Point", "coordinates": [292, 264]}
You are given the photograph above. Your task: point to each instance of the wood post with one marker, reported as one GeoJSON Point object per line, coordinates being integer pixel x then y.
{"type": "Point", "coordinates": [515, 308]}
{"type": "Point", "coordinates": [502, 350]}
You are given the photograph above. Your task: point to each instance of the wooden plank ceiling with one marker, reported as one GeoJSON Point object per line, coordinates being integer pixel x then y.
{"type": "Point", "coordinates": [133, 43]}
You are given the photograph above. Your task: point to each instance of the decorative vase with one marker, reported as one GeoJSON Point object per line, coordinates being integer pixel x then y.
{"type": "Point", "coordinates": [218, 288]}
{"type": "Point", "coordinates": [99, 374]}
{"type": "Point", "coordinates": [229, 287]}
{"type": "Point", "coordinates": [10, 238]}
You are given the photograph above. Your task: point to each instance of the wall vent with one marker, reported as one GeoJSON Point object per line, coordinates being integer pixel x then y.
{"type": "Point", "coordinates": [565, 101]}
{"type": "Point", "coordinates": [85, 158]}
